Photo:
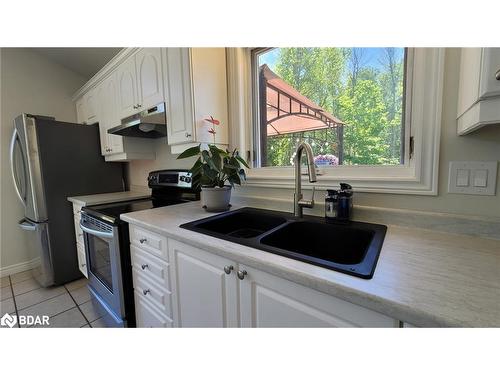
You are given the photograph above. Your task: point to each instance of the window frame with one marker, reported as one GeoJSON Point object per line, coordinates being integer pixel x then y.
{"type": "Point", "coordinates": [417, 175]}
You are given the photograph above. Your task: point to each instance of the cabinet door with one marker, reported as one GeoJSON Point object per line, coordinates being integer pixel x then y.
{"type": "Point", "coordinates": [490, 85]}
{"type": "Point", "coordinates": [91, 106]}
{"type": "Point", "coordinates": [103, 117]}
{"type": "Point", "coordinates": [178, 95]}
{"type": "Point", "coordinates": [149, 77]}
{"type": "Point", "coordinates": [270, 301]}
{"type": "Point", "coordinates": [81, 114]}
{"type": "Point", "coordinates": [208, 72]}
{"type": "Point", "coordinates": [127, 88]}
{"type": "Point", "coordinates": [112, 119]}
{"type": "Point", "coordinates": [204, 295]}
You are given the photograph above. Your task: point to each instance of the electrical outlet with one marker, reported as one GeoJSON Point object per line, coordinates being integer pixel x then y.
{"type": "Point", "coordinates": [472, 177]}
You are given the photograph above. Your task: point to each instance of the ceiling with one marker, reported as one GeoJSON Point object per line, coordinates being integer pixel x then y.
{"type": "Point", "coordinates": [84, 61]}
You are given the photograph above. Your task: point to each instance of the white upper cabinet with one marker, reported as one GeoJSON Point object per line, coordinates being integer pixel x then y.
{"type": "Point", "coordinates": [91, 104]}
{"type": "Point", "coordinates": [180, 117]}
{"type": "Point", "coordinates": [196, 88]}
{"type": "Point", "coordinates": [191, 81]}
{"type": "Point", "coordinates": [81, 114]}
{"type": "Point", "coordinates": [149, 77]}
{"type": "Point", "coordinates": [479, 89]}
{"type": "Point", "coordinates": [127, 88]}
{"type": "Point", "coordinates": [110, 144]}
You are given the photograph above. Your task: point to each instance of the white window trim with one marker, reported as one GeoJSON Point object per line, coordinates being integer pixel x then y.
{"type": "Point", "coordinates": [419, 175]}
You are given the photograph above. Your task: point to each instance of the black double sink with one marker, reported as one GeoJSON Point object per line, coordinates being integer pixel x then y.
{"type": "Point", "coordinates": [352, 248]}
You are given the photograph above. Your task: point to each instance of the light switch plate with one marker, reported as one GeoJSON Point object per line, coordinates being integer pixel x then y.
{"type": "Point", "coordinates": [467, 177]}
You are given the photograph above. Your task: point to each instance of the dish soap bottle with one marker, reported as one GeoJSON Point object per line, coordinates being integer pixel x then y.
{"type": "Point", "coordinates": [331, 205]}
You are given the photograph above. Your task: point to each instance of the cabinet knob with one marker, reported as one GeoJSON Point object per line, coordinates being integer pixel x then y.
{"type": "Point", "coordinates": [188, 135]}
{"type": "Point", "coordinates": [242, 274]}
{"type": "Point", "coordinates": [228, 269]}
{"type": "Point", "coordinates": [146, 291]}
{"type": "Point", "coordinates": [144, 266]}
{"type": "Point", "coordinates": [497, 75]}
{"type": "Point", "coordinates": [142, 240]}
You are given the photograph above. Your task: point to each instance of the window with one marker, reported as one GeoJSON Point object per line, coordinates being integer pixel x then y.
{"type": "Point", "coordinates": [420, 116]}
{"type": "Point", "coordinates": [347, 103]}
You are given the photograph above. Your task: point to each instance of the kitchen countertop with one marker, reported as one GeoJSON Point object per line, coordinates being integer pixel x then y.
{"type": "Point", "coordinates": [423, 277]}
{"type": "Point", "coordinates": [87, 200]}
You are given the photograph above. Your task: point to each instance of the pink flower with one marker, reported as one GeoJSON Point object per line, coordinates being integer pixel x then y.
{"type": "Point", "coordinates": [213, 121]}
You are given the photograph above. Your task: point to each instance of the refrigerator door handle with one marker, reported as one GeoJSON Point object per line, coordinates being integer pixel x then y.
{"type": "Point", "coordinates": [26, 225]}
{"type": "Point", "coordinates": [12, 146]}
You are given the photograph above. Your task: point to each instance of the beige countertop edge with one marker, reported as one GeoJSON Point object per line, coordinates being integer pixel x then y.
{"type": "Point", "coordinates": [103, 198]}
{"type": "Point", "coordinates": [340, 285]}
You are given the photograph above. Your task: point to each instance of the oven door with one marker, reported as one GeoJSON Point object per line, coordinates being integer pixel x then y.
{"type": "Point", "coordinates": [102, 247]}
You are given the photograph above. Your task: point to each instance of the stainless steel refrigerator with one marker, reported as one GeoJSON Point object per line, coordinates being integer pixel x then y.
{"type": "Point", "coordinates": [50, 161]}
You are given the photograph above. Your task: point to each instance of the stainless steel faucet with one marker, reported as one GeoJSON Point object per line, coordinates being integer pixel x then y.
{"type": "Point", "coordinates": [298, 202]}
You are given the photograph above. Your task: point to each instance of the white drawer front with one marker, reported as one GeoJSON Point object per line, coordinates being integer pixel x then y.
{"type": "Point", "coordinates": [147, 316]}
{"type": "Point", "coordinates": [148, 265]}
{"type": "Point", "coordinates": [158, 297]}
{"type": "Point", "coordinates": [149, 241]}
{"type": "Point", "coordinates": [82, 259]}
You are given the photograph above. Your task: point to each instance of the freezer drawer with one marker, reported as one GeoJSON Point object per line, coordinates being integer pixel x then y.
{"type": "Point", "coordinates": [37, 235]}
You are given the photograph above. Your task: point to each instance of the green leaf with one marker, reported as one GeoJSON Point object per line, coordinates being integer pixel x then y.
{"type": "Point", "coordinates": [242, 161]}
{"type": "Point", "coordinates": [192, 151]}
{"type": "Point", "coordinates": [208, 160]}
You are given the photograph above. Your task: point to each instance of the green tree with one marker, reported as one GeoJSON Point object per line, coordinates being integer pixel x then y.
{"type": "Point", "coordinates": [364, 111]}
{"type": "Point", "coordinates": [367, 99]}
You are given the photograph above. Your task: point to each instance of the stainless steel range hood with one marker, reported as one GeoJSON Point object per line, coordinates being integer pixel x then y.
{"type": "Point", "coordinates": [150, 123]}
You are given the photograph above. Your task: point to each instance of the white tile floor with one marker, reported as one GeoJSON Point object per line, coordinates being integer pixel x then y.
{"type": "Point", "coordinates": [67, 306]}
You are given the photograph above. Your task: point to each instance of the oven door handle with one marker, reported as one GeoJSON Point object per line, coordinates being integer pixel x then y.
{"type": "Point", "coordinates": [96, 232]}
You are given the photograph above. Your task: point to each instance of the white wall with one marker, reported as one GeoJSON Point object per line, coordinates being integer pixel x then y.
{"type": "Point", "coordinates": [138, 169]}
{"type": "Point", "coordinates": [29, 83]}
{"type": "Point", "coordinates": [481, 145]}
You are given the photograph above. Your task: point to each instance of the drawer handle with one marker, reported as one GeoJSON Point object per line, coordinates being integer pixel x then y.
{"type": "Point", "coordinates": [144, 266]}
{"type": "Point", "coordinates": [242, 274]}
{"type": "Point", "coordinates": [228, 269]}
{"type": "Point", "coordinates": [146, 291]}
{"type": "Point", "coordinates": [142, 240]}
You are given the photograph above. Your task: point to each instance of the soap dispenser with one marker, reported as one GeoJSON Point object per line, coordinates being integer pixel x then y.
{"type": "Point", "coordinates": [344, 211]}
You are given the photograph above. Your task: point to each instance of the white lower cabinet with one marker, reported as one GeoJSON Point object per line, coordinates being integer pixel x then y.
{"type": "Point", "coordinates": [207, 290]}
{"type": "Point", "coordinates": [147, 316]}
{"type": "Point", "coordinates": [270, 301]}
{"type": "Point", "coordinates": [80, 246]}
{"type": "Point", "coordinates": [205, 295]}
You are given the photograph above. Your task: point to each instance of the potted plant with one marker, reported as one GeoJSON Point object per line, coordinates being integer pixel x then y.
{"type": "Point", "coordinates": [216, 171]}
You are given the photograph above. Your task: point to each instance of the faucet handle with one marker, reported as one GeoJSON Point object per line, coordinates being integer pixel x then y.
{"type": "Point", "coordinates": [312, 195]}
{"type": "Point", "coordinates": [308, 203]}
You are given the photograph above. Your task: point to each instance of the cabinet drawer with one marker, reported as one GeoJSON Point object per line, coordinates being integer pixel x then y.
{"type": "Point", "coordinates": [157, 296]}
{"type": "Point", "coordinates": [148, 265]}
{"type": "Point", "coordinates": [82, 259]}
{"type": "Point", "coordinates": [149, 241]}
{"type": "Point", "coordinates": [147, 316]}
